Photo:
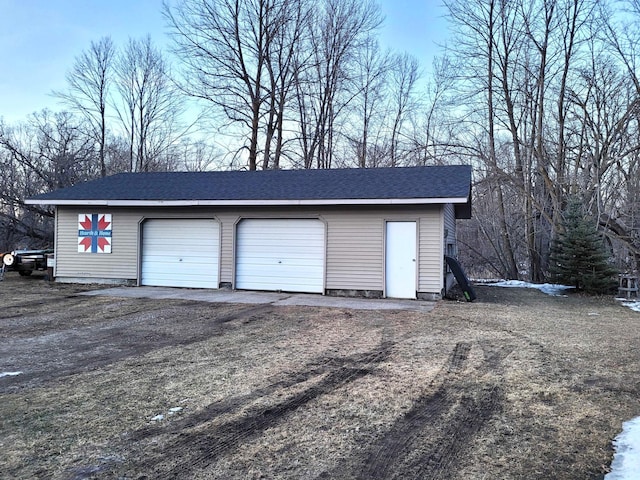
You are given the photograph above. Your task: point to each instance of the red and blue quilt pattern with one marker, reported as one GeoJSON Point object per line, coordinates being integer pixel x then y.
{"type": "Point", "coordinates": [94, 233]}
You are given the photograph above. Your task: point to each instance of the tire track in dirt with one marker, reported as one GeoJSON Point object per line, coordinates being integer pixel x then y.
{"type": "Point", "coordinates": [314, 368]}
{"type": "Point", "coordinates": [426, 441]}
{"type": "Point", "coordinates": [237, 403]}
{"type": "Point", "coordinates": [54, 356]}
{"type": "Point", "coordinates": [494, 355]}
{"type": "Point", "coordinates": [199, 449]}
{"type": "Point", "coordinates": [469, 416]}
{"type": "Point", "coordinates": [458, 356]}
{"type": "Point", "coordinates": [394, 447]}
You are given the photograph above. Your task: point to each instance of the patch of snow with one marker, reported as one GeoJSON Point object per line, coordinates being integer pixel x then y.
{"type": "Point", "coordinates": [548, 288]}
{"type": "Point", "coordinates": [172, 411]}
{"type": "Point", "coordinates": [635, 306]}
{"type": "Point", "coordinates": [551, 289]}
{"type": "Point", "coordinates": [626, 459]}
{"type": "Point", "coordinates": [9, 374]}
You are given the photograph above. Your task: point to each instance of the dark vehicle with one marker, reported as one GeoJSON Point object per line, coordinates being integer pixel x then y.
{"type": "Point", "coordinates": [25, 261]}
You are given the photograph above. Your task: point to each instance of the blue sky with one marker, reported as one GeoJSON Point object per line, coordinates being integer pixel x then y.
{"type": "Point", "coordinates": [39, 40]}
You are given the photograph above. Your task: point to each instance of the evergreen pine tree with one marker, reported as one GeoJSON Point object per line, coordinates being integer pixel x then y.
{"type": "Point", "coordinates": [578, 257]}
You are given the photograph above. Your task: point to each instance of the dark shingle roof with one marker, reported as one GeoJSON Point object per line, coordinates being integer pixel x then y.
{"type": "Point", "coordinates": [335, 184]}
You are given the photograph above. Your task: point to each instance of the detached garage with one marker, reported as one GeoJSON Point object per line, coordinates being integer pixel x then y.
{"type": "Point", "coordinates": [367, 232]}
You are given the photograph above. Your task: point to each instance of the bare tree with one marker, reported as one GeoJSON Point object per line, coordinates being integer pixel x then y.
{"type": "Point", "coordinates": [434, 129]}
{"type": "Point", "coordinates": [150, 105]}
{"type": "Point", "coordinates": [370, 80]}
{"type": "Point", "coordinates": [283, 63]}
{"type": "Point", "coordinates": [48, 152]}
{"type": "Point", "coordinates": [477, 26]}
{"type": "Point", "coordinates": [197, 156]}
{"type": "Point", "coordinates": [233, 52]}
{"type": "Point", "coordinates": [89, 82]}
{"type": "Point", "coordinates": [531, 52]}
{"type": "Point", "coordinates": [609, 104]}
{"type": "Point", "coordinates": [341, 28]}
{"type": "Point", "coordinates": [404, 75]}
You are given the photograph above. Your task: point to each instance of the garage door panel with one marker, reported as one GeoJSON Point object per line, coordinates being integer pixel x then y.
{"type": "Point", "coordinates": [293, 284]}
{"type": "Point", "coordinates": [284, 287]}
{"type": "Point", "coordinates": [177, 244]}
{"type": "Point", "coordinates": [181, 253]}
{"type": "Point", "coordinates": [177, 257]}
{"type": "Point", "coordinates": [280, 254]}
{"type": "Point", "coordinates": [183, 268]}
{"type": "Point", "coordinates": [298, 261]}
{"type": "Point", "coordinates": [182, 281]}
{"type": "Point", "coordinates": [275, 246]}
{"type": "Point", "coordinates": [284, 271]}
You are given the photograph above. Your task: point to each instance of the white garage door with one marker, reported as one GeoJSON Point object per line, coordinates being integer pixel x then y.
{"type": "Point", "coordinates": [280, 254]}
{"type": "Point", "coordinates": [180, 253]}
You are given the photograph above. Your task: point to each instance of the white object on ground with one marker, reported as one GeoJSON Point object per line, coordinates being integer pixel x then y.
{"type": "Point", "coordinates": [635, 306]}
{"type": "Point", "coordinates": [626, 459]}
{"type": "Point", "coordinates": [548, 288]}
{"type": "Point", "coordinates": [9, 374]}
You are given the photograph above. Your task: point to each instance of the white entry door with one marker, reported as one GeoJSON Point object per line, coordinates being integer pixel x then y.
{"type": "Point", "coordinates": [400, 260]}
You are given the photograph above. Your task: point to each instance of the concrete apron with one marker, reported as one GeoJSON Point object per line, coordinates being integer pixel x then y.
{"type": "Point", "coordinates": [272, 298]}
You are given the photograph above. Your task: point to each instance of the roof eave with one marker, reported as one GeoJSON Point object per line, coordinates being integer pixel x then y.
{"type": "Point", "coordinates": [247, 203]}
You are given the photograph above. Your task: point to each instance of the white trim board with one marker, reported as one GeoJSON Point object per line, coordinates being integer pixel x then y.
{"type": "Point", "coordinates": [244, 203]}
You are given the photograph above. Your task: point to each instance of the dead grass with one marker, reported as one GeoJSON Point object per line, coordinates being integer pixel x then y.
{"type": "Point", "coordinates": [516, 385]}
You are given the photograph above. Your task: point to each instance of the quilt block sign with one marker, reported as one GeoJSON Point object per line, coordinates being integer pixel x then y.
{"type": "Point", "coordinates": [94, 233]}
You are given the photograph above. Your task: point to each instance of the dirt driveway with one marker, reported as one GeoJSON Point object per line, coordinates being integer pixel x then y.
{"type": "Point", "coordinates": [516, 385]}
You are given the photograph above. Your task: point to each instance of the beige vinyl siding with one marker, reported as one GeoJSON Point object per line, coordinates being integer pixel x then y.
{"type": "Point", "coordinates": [354, 235]}
{"type": "Point", "coordinates": [355, 251]}
{"type": "Point", "coordinates": [430, 252]}
{"type": "Point", "coordinates": [450, 226]}
{"type": "Point", "coordinates": [122, 263]}
{"type": "Point", "coordinates": [355, 247]}
{"type": "Point", "coordinates": [227, 226]}
{"type": "Point", "coordinates": [449, 216]}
